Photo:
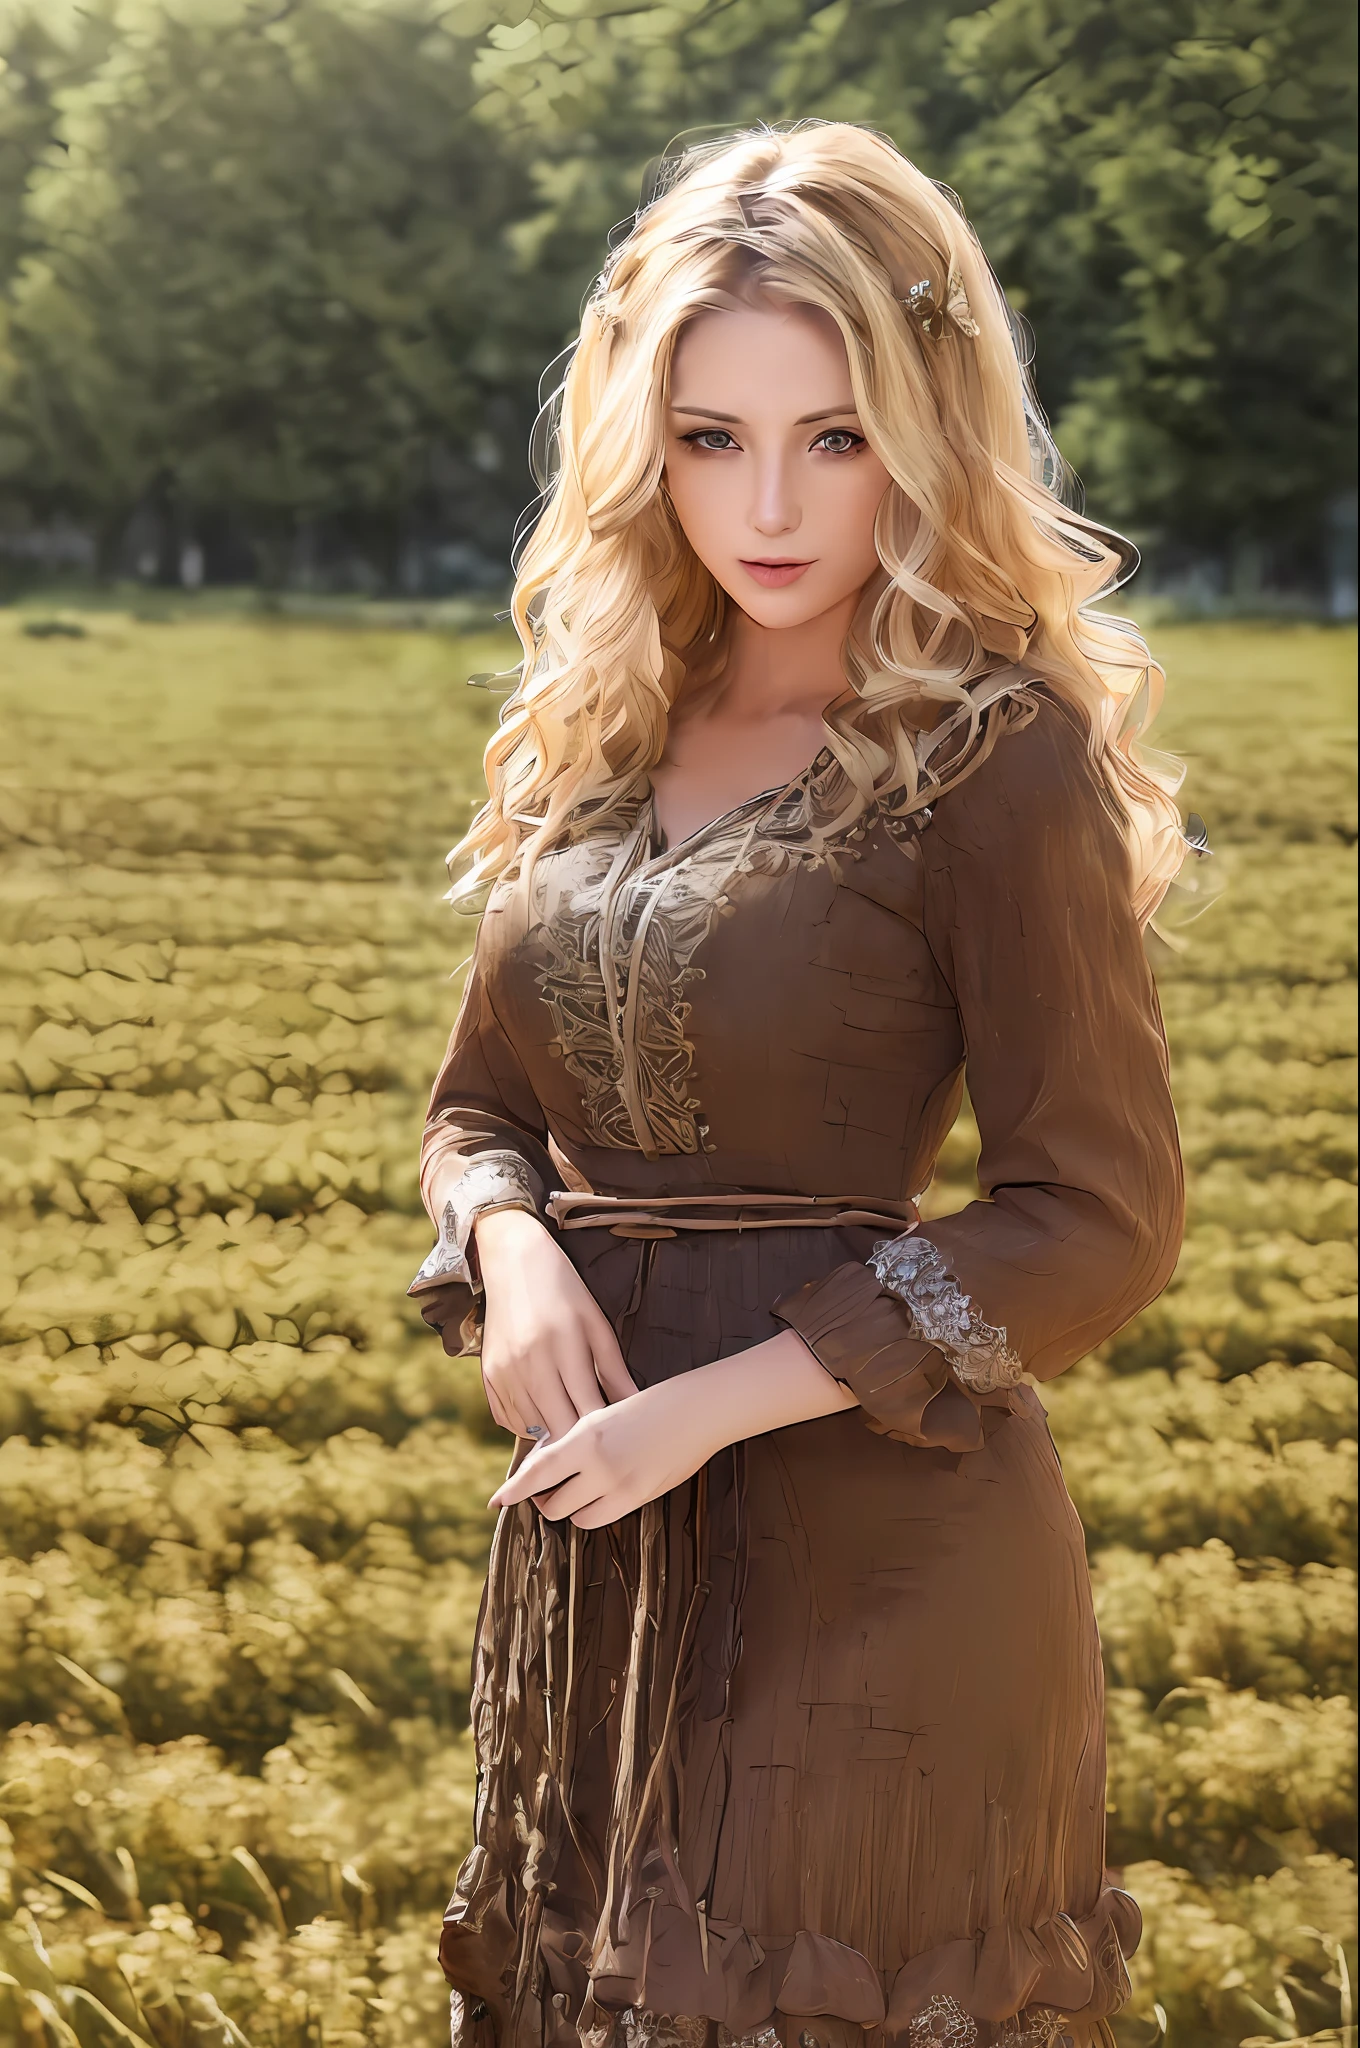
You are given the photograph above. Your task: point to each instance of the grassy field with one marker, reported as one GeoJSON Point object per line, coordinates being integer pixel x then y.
{"type": "Point", "coordinates": [241, 1521]}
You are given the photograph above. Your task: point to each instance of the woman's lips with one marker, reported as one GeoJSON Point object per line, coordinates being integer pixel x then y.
{"type": "Point", "coordinates": [774, 573]}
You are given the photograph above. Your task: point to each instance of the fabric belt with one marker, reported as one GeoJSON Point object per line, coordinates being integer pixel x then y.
{"type": "Point", "coordinates": [664, 1215]}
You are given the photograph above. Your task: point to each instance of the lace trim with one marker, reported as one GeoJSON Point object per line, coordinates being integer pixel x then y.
{"type": "Point", "coordinates": [941, 2023]}
{"type": "Point", "coordinates": [1042, 2026]}
{"type": "Point", "coordinates": [639, 2028]}
{"type": "Point", "coordinates": [494, 1180]}
{"type": "Point", "coordinates": [943, 1315]}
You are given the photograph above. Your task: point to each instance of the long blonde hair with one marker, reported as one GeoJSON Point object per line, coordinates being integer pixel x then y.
{"type": "Point", "coordinates": [985, 562]}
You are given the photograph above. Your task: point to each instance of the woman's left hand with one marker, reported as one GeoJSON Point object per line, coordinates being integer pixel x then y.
{"type": "Point", "coordinates": [615, 1458]}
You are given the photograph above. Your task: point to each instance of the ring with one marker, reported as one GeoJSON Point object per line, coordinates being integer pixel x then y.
{"type": "Point", "coordinates": [535, 1430]}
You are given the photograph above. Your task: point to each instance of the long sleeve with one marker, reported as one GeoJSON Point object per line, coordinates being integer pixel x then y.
{"type": "Point", "coordinates": [1028, 915]}
{"type": "Point", "coordinates": [485, 1144]}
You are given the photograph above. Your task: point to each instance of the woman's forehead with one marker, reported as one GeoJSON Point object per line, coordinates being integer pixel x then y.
{"type": "Point", "coordinates": [762, 352]}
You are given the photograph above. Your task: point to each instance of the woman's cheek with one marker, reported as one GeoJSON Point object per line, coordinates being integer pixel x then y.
{"type": "Point", "coordinates": [707, 509]}
{"type": "Point", "coordinates": [847, 523]}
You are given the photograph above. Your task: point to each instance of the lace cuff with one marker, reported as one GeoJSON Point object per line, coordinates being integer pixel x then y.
{"type": "Point", "coordinates": [943, 1315]}
{"type": "Point", "coordinates": [495, 1180]}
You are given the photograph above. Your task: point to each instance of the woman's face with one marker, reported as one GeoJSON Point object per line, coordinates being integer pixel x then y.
{"type": "Point", "coordinates": [767, 465]}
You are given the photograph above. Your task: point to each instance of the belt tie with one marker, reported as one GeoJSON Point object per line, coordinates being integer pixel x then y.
{"type": "Point", "coordinates": [655, 1216]}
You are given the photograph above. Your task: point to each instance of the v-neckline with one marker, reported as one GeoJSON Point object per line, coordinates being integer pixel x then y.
{"type": "Point", "coordinates": [777, 789]}
{"type": "Point", "coordinates": [1015, 678]}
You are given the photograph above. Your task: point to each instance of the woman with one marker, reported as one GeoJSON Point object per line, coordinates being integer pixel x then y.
{"type": "Point", "coordinates": [817, 788]}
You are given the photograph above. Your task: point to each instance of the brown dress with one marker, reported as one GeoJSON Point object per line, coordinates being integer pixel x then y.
{"type": "Point", "coordinates": [812, 1747]}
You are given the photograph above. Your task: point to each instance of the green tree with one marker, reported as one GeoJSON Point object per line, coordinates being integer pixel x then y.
{"type": "Point", "coordinates": [597, 93]}
{"type": "Point", "coordinates": [1165, 186]}
{"type": "Point", "coordinates": [300, 264]}
{"type": "Point", "coordinates": [1170, 186]}
{"type": "Point", "coordinates": [272, 281]}
{"type": "Point", "coordinates": [45, 52]}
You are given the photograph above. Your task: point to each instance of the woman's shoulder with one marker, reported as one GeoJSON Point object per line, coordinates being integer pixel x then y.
{"type": "Point", "coordinates": [1038, 775]}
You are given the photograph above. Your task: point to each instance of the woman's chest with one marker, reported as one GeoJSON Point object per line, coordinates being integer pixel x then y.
{"type": "Point", "coordinates": [708, 999]}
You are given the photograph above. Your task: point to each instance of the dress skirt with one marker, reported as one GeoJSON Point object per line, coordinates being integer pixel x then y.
{"type": "Point", "coordinates": [807, 1750]}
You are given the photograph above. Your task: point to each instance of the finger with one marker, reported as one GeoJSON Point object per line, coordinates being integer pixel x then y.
{"type": "Point", "coordinates": [523, 1416]}
{"type": "Point", "coordinates": [503, 1409]}
{"type": "Point", "coordinates": [499, 1414]}
{"type": "Point", "coordinates": [526, 1387]}
{"type": "Point", "coordinates": [583, 1388]}
{"type": "Point", "coordinates": [604, 1509]}
{"type": "Point", "coordinates": [513, 1411]}
{"type": "Point", "coordinates": [549, 1401]}
{"type": "Point", "coordinates": [547, 1466]}
{"type": "Point", "coordinates": [608, 1363]}
{"type": "Point", "coordinates": [540, 1389]}
{"type": "Point", "coordinates": [573, 1496]}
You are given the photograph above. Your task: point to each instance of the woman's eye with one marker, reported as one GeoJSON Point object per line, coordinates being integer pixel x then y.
{"type": "Point", "coordinates": [715, 438]}
{"type": "Point", "coordinates": [839, 441]}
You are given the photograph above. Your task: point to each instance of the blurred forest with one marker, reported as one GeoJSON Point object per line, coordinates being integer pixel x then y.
{"type": "Point", "coordinates": [278, 277]}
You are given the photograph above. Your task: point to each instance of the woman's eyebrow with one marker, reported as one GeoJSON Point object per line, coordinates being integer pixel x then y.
{"type": "Point", "coordinates": [731, 419]}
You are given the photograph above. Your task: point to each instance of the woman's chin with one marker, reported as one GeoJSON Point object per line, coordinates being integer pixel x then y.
{"type": "Point", "coordinates": [779, 610]}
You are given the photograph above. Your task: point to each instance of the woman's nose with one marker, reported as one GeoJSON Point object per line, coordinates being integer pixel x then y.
{"type": "Point", "coordinates": [776, 509]}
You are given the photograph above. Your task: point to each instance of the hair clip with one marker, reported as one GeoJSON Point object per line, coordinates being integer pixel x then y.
{"type": "Point", "coordinates": [934, 318]}
{"type": "Point", "coordinates": [605, 309]}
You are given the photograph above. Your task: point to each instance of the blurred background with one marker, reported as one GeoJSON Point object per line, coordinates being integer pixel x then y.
{"type": "Point", "coordinates": [279, 276]}
{"type": "Point", "coordinates": [278, 280]}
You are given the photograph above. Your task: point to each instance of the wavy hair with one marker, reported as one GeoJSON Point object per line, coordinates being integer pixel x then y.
{"type": "Point", "coordinates": [986, 561]}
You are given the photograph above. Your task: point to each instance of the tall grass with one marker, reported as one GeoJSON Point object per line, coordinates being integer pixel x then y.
{"type": "Point", "coordinates": [241, 1521]}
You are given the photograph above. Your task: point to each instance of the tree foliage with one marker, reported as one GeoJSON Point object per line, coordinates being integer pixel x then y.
{"type": "Point", "coordinates": [265, 279]}
{"type": "Point", "coordinates": [1172, 188]}
{"type": "Point", "coordinates": [286, 265]}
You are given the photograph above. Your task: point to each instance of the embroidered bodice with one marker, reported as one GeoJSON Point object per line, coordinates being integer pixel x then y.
{"type": "Point", "coordinates": [786, 1004]}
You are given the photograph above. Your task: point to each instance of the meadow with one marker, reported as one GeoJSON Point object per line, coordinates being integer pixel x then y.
{"type": "Point", "coordinates": [242, 1492]}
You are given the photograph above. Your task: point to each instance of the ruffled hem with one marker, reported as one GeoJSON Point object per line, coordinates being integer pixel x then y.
{"type": "Point", "coordinates": [863, 1335]}
{"type": "Point", "coordinates": [601, 1714]}
{"type": "Point", "coordinates": [1008, 1987]}
{"type": "Point", "coordinates": [537, 1969]}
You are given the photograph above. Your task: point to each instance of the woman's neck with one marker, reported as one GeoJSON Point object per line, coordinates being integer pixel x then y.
{"type": "Point", "coordinates": [755, 726]}
{"type": "Point", "coordinates": [798, 669]}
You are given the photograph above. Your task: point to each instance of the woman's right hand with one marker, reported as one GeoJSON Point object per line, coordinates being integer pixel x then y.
{"type": "Point", "coordinates": [549, 1352]}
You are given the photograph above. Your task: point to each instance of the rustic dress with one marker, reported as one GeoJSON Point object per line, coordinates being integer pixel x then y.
{"type": "Point", "coordinates": [811, 1748]}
